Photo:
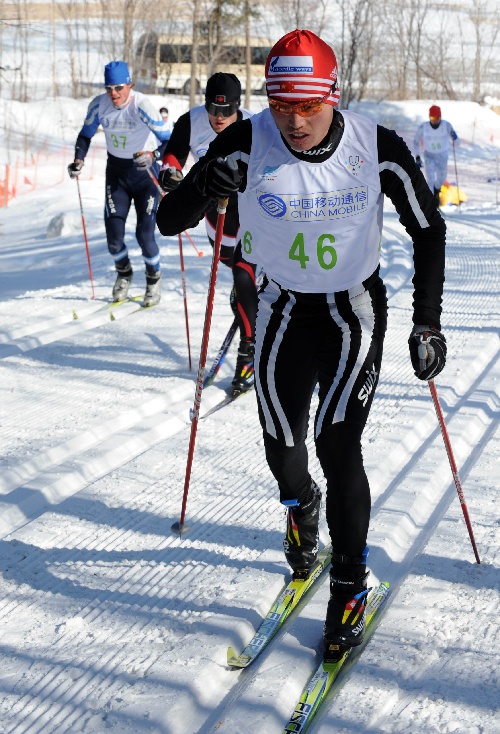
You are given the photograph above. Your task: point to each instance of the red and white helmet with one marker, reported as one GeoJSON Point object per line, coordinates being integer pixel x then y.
{"type": "Point", "coordinates": [301, 66]}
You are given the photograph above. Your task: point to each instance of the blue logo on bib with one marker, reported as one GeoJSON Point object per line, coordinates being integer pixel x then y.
{"type": "Point", "coordinates": [272, 205]}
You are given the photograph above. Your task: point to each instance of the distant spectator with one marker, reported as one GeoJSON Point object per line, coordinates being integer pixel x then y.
{"type": "Point", "coordinates": [165, 115]}
{"type": "Point", "coordinates": [434, 138]}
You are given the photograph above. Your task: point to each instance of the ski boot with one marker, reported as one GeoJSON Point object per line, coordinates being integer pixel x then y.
{"type": "Point", "coordinates": [122, 283]}
{"type": "Point", "coordinates": [244, 377]}
{"type": "Point", "coordinates": [153, 292]}
{"type": "Point", "coordinates": [302, 535]}
{"type": "Point", "coordinates": [345, 616]}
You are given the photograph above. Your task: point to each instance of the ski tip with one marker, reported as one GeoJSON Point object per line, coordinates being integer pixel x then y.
{"type": "Point", "coordinates": [74, 313]}
{"type": "Point", "coordinates": [382, 589]}
{"type": "Point", "coordinates": [112, 316]}
{"type": "Point", "coordinates": [180, 528]}
{"type": "Point", "coordinates": [232, 658]}
{"type": "Point", "coordinates": [332, 666]}
{"type": "Point", "coordinates": [235, 392]}
{"type": "Point", "coordinates": [236, 661]}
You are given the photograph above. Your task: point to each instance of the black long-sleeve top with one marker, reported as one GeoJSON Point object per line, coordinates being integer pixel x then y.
{"type": "Point", "coordinates": [184, 207]}
{"type": "Point", "coordinates": [179, 146]}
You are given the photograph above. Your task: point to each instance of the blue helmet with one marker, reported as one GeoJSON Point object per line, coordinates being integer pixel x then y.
{"type": "Point", "coordinates": [116, 72]}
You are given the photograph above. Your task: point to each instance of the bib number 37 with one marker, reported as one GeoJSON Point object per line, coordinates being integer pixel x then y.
{"type": "Point", "coordinates": [326, 254]}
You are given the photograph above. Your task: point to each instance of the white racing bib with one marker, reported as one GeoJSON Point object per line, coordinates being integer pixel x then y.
{"type": "Point", "coordinates": [125, 131]}
{"type": "Point", "coordinates": [202, 133]}
{"type": "Point", "coordinates": [436, 140]}
{"type": "Point", "coordinates": [313, 227]}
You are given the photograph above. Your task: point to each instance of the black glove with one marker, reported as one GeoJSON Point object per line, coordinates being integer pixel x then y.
{"type": "Point", "coordinates": [219, 178]}
{"type": "Point", "coordinates": [427, 351]}
{"type": "Point", "coordinates": [418, 161]}
{"type": "Point", "coordinates": [169, 178]}
{"type": "Point", "coordinates": [144, 159]}
{"type": "Point", "coordinates": [75, 168]}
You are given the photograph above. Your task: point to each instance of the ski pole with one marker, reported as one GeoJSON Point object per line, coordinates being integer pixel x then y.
{"type": "Point", "coordinates": [162, 194]}
{"type": "Point", "coordinates": [456, 173]}
{"type": "Point", "coordinates": [85, 236]}
{"type": "Point", "coordinates": [156, 182]}
{"type": "Point", "coordinates": [183, 272]}
{"type": "Point", "coordinates": [198, 252]}
{"type": "Point", "coordinates": [221, 354]}
{"type": "Point", "coordinates": [185, 297]}
{"type": "Point", "coordinates": [181, 526]}
{"type": "Point", "coordinates": [453, 465]}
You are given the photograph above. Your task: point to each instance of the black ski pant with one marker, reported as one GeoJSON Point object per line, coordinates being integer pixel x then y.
{"type": "Point", "coordinates": [333, 341]}
{"type": "Point", "coordinates": [126, 184]}
{"type": "Point", "coordinates": [244, 297]}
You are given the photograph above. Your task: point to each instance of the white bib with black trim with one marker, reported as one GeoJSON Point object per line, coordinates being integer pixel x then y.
{"type": "Point", "coordinates": [313, 227]}
{"type": "Point", "coordinates": [202, 133]}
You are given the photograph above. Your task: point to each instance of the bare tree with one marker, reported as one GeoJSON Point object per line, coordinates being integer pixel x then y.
{"type": "Point", "coordinates": [310, 14]}
{"type": "Point", "coordinates": [353, 51]}
{"type": "Point", "coordinates": [418, 10]}
{"type": "Point", "coordinates": [486, 25]}
{"type": "Point", "coordinates": [215, 35]}
{"type": "Point", "coordinates": [397, 51]}
{"type": "Point", "coordinates": [441, 74]}
{"type": "Point", "coordinates": [368, 58]}
{"type": "Point", "coordinates": [194, 51]}
{"type": "Point", "coordinates": [248, 55]}
{"type": "Point", "coordinates": [390, 49]}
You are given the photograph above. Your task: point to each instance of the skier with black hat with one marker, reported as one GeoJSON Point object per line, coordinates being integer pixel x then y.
{"type": "Point", "coordinates": [192, 133]}
{"type": "Point", "coordinates": [311, 182]}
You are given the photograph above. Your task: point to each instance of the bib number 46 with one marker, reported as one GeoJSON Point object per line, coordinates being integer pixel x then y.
{"type": "Point", "coordinates": [325, 252]}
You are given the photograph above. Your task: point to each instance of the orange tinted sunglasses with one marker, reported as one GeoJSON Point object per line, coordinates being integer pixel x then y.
{"type": "Point", "coordinates": [304, 109]}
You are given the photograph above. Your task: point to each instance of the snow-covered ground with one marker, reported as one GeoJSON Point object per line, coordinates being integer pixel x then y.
{"type": "Point", "coordinates": [112, 623]}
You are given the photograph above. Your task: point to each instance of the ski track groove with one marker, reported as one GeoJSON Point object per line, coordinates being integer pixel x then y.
{"type": "Point", "coordinates": [391, 710]}
{"type": "Point", "coordinates": [244, 683]}
{"type": "Point", "coordinates": [43, 689]}
{"type": "Point", "coordinates": [379, 503]}
{"type": "Point", "coordinates": [34, 329]}
{"type": "Point", "coordinates": [401, 238]}
{"type": "Point", "coordinates": [153, 582]}
{"type": "Point", "coordinates": [90, 541]}
{"type": "Point", "coordinates": [140, 579]}
{"type": "Point", "coordinates": [69, 328]}
{"type": "Point", "coordinates": [30, 470]}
